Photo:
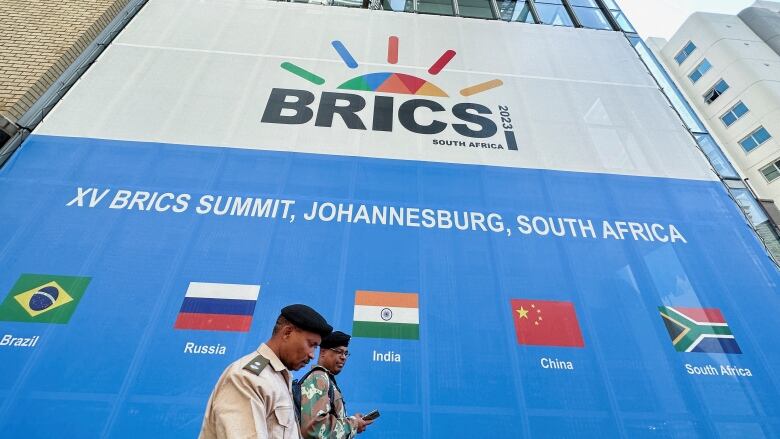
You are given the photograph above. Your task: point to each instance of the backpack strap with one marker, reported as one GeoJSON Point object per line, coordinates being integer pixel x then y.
{"type": "Point", "coordinates": [296, 394]}
{"type": "Point", "coordinates": [332, 394]}
{"type": "Point", "coordinates": [331, 384]}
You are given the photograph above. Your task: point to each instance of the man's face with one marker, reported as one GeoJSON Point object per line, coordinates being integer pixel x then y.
{"type": "Point", "coordinates": [334, 359]}
{"type": "Point", "coordinates": [298, 347]}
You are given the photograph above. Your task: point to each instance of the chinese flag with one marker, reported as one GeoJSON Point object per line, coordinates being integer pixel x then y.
{"type": "Point", "coordinates": [546, 323]}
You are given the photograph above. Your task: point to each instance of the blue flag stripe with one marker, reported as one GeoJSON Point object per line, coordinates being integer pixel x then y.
{"type": "Point", "coordinates": [722, 345]}
{"type": "Point", "coordinates": [218, 306]}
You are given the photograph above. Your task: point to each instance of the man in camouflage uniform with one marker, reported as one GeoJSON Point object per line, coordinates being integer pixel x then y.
{"type": "Point", "coordinates": [321, 417]}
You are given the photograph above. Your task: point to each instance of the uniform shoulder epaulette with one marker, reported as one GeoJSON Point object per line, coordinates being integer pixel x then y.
{"type": "Point", "coordinates": [256, 365]}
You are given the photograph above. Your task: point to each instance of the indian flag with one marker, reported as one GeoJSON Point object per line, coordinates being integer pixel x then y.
{"type": "Point", "coordinates": [386, 315]}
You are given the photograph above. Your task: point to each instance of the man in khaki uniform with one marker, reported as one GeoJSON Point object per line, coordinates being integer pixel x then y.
{"type": "Point", "coordinates": [253, 397]}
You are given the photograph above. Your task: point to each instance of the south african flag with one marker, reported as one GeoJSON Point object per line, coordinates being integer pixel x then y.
{"type": "Point", "coordinates": [699, 330]}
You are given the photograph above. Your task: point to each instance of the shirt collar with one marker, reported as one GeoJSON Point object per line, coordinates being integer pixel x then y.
{"type": "Point", "coordinates": [275, 362]}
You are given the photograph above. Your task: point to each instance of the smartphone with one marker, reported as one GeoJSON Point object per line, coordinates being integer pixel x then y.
{"type": "Point", "coordinates": [370, 416]}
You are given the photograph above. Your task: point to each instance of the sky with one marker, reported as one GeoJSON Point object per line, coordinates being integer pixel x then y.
{"type": "Point", "coordinates": [661, 18]}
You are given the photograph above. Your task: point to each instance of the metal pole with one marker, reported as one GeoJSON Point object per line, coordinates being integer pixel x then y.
{"type": "Point", "coordinates": [573, 16]}
{"type": "Point", "coordinates": [534, 12]}
{"type": "Point", "coordinates": [608, 13]}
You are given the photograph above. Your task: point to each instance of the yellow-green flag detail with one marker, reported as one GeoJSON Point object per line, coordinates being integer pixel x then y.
{"type": "Point", "coordinates": [43, 298]}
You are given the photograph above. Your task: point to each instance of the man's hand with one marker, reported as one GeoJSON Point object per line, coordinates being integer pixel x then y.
{"type": "Point", "coordinates": [362, 423]}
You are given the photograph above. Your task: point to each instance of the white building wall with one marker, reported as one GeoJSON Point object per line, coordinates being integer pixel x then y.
{"type": "Point", "coordinates": [752, 70]}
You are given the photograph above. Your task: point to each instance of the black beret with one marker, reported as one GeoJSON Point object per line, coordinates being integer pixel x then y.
{"type": "Point", "coordinates": [307, 319]}
{"type": "Point", "coordinates": [335, 339]}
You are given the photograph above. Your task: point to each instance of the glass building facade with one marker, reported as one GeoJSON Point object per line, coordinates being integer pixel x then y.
{"type": "Point", "coordinates": [592, 14]}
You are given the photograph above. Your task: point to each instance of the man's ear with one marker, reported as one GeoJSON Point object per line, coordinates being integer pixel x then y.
{"type": "Point", "coordinates": [287, 330]}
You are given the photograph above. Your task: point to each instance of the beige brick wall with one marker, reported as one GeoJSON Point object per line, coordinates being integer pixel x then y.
{"type": "Point", "coordinates": [39, 39]}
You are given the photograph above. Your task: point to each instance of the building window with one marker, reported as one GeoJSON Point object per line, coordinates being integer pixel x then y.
{"type": "Point", "coordinates": [685, 52]}
{"type": "Point", "coordinates": [620, 19]}
{"type": "Point", "coordinates": [398, 5]}
{"type": "Point", "coordinates": [716, 156]}
{"type": "Point", "coordinates": [476, 9]}
{"type": "Point", "coordinates": [772, 171]}
{"type": "Point", "coordinates": [755, 139]}
{"type": "Point", "coordinates": [437, 7]}
{"type": "Point", "coordinates": [515, 10]}
{"type": "Point", "coordinates": [348, 3]}
{"type": "Point", "coordinates": [589, 14]}
{"type": "Point", "coordinates": [553, 12]}
{"type": "Point", "coordinates": [718, 89]}
{"type": "Point", "coordinates": [734, 113]}
{"type": "Point", "coordinates": [700, 70]}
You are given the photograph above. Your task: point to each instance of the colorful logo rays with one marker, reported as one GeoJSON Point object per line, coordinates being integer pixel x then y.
{"type": "Point", "coordinates": [391, 82]}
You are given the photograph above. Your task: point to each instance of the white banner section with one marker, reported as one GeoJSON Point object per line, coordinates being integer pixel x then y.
{"type": "Point", "coordinates": [329, 80]}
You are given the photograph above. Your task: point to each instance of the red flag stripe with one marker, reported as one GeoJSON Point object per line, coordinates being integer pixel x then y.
{"type": "Point", "coordinates": [702, 315]}
{"type": "Point", "coordinates": [213, 322]}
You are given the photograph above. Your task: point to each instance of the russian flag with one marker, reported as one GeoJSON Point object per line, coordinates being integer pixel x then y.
{"type": "Point", "coordinates": [218, 307]}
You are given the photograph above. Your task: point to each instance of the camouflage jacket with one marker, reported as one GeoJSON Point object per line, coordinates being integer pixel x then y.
{"type": "Point", "coordinates": [322, 418]}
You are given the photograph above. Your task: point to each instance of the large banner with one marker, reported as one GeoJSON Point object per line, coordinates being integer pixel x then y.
{"type": "Point", "coordinates": [508, 218]}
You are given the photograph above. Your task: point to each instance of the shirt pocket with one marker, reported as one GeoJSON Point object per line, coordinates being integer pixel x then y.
{"type": "Point", "coordinates": [285, 423]}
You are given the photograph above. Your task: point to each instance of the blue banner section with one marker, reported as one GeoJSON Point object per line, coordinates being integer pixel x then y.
{"type": "Point", "coordinates": [551, 304]}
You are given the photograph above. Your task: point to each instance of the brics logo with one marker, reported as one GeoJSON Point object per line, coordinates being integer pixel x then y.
{"type": "Point", "coordinates": [391, 82]}
{"type": "Point", "coordinates": [468, 119]}
{"type": "Point", "coordinates": [43, 298]}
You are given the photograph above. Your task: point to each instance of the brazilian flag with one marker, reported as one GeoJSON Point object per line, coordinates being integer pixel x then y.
{"type": "Point", "coordinates": [43, 298]}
